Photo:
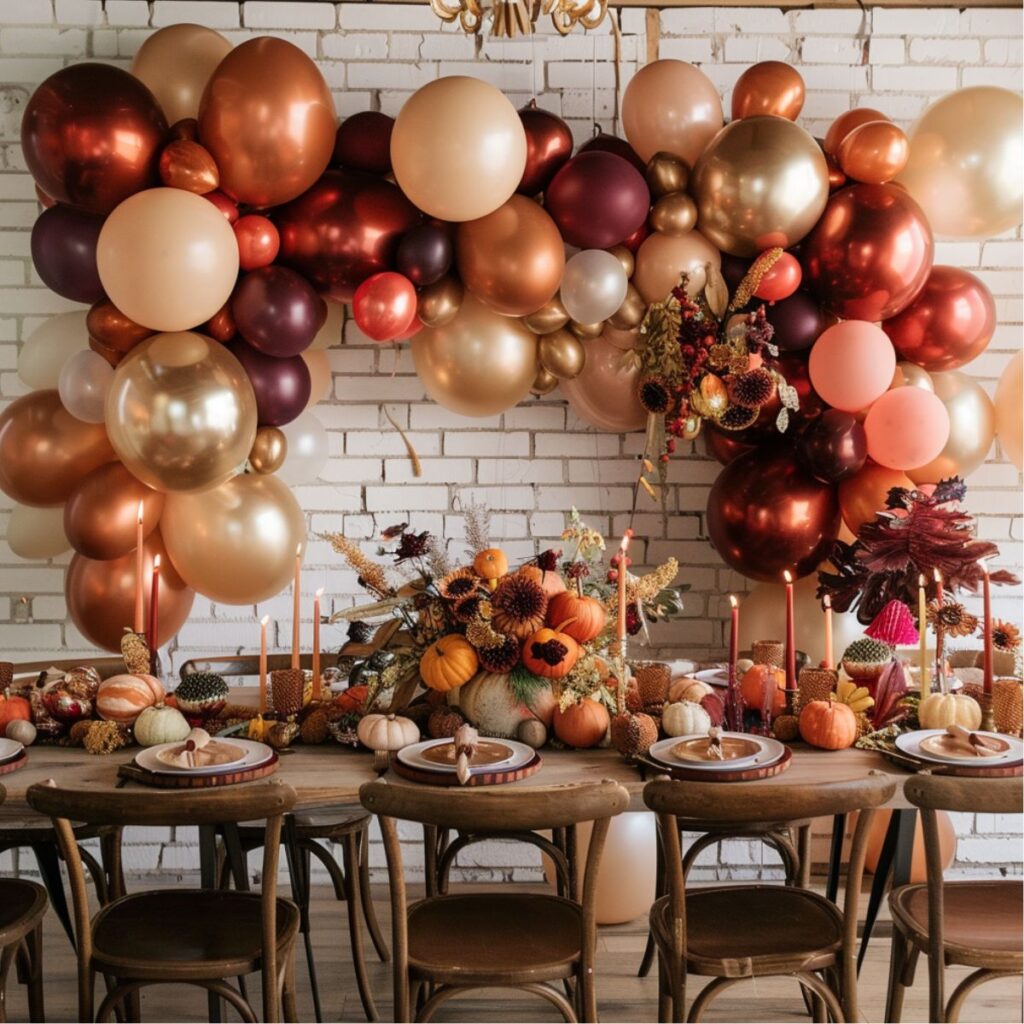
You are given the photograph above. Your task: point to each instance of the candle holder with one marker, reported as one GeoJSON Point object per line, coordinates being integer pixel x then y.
{"type": "Point", "coordinates": [987, 717]}
{"type": "Point", "coordinates": [815, 684]}
{"type": "Point", "coordinates": [770, 652]}
{"type": "Point", "coordinates": [287, 686]}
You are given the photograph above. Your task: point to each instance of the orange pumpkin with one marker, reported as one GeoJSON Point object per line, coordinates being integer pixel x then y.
{"type": "Point", "coordinates": [550, 653]}
{"type": "Point", "coordinates": [123, 698]}
{"type": "Point", "coordinates": [448, 663]}
{"type": "Point", "coordinates": [551, 582]}
{"type": "Point", "coordinates": [828, 724]}
{"type": "Point", "coordinates": [490, 564]}
{"type": "Point", "coordinates": [583, 724]}
{"type": "Point", "coordinates": [584, 617]}
{"type": "Point", "coordinates": [13, 709]}
{"type": "Point", "coordinates": [353, 698]}
{"type": "Point", "coordinates": [755, 684]}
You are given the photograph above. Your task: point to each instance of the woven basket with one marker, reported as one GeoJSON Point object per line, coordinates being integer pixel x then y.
{"type": "Point", "coordinates": [286, 689]}
{"type": "Point", "coordinates": [1007, 706]}
{"type": "Point", "coordinates": [815, 684]}
{"type": "Point", "coordinates": [769, 652]}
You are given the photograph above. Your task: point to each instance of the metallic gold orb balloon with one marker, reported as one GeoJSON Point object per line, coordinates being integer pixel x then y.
{"type": "Point", "coordinates": [269, 450]}
{"type": "Point", "coordinates": [478, 364]}
{"type": "Point", "coordinates": [181, 412]}
{"type": "Point", "coordinates": [544, 383]}
{"type": "Point", "coordinates": [625, 257]}
{"type": "Point", "coordinates": [630, 313]}
{"type": "Point", "coordinates": [550, 317]}
{"type": "Point", "coordinates": [913, 376]}
{"type": "Point", "coordinates": [674, 214]}
{"type": "Point", "coordinates": [562, 353]}
{"type": "Point", "coordinates": [761, 182]}
{"type": "Point", "coordinates": [585, 331]}
{"type": "Point", "coordinates": [439, 302]}
{"type": "Point", "coordinates": [666, 174]}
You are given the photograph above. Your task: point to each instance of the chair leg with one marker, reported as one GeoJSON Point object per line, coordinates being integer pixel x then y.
{"type": "Point", "coordinates": [960, 993]}
{"type": "Point", "coordinates": [34, 980]}
{"type": "Point", "coordinates": [288, 1008]}
{"type": "Point", "coordinates": [299, 857]}
{"type": "Point", "coordinates": [936, 990]}
{"type": "Point", "coordinates": [366, 893]}
{"type": "Point", "coordinates": [113, 868]}
{"type": "Point", "coordinates": [897, 969]}
{"type": "Point", "coordinates": [659, 887]}
{"type": "Point", "coordinates": [664, 995]}
{"type": "Point", "coordinates": [353, 901]}
{"type": "Point", "coordinates": [49, 871]}
{"type": "Point", "coordinates": [704, 997]}
{"type": "Point", "coordinates": [803, 844]}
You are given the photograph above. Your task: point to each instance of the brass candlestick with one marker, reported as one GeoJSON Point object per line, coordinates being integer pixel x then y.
{"type": "Point", "coordinates": [987, 721]}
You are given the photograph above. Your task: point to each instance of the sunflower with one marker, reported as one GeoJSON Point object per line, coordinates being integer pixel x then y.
{"type": "Point", "coordinates": [519, 606]}
{"type": "Point", "coordinates": [952, 618]}
{"type": "Point", "coordinates": [458, 583]}
{"type": "Point", "coordinates": [1005, 636]}
{"type": "Point", "coordinates": [467, 608]}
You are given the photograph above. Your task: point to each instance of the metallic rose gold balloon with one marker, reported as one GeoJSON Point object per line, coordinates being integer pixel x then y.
{"type": "Point", "coordinates": [185, 130]}
{"type": "Point", "coordinates": [112, 329]}
{"type": "Point", "coordinates": [662, 258]}
{"type": "Point", "coordinates": [625, 258]}
{"type": "Point", "coordinates": [269, 450]}
{"type": "Point", "coordinates": [836, 178]}
{"type": "Point", "coordinates": [863, 495]}
{"type": "Point", "coordinates": [221, 326]}
{"type": "Point", "coordinates": [550, 317]}
{"type": "Point", "coordinates": [101, 595]}
{"type": "Point", "coordinates": [548, 146]}
{"type": "Point", "coordinates": [761, 182]}
{"type": "Point", "coordinates": [45, 452]}
{"type": "Point", "coordinates": [666, 174]}
{"type": "Point", "coordinates": [586, 331]}
{"type": "Point", "coordinates": [874, 152]}
{"type": "Point", "coordinates": [101, 516]}
{"type": "Point", "coordinates": [562, 354]}
{"type": "Point", "coordinates": [189, 166]}
{"type": "Point", "coordinates": [544, 383]}
{"type": "Point", "coordinates": [770, 87]}
{"type": "Point", "coordinates": [604, 394]}
{"type": "Point", "coordinates": [845, 123]}
{"type": "Point", "coordinates": [674, 214]}
{"type": "Point", "coordinates": [267, 118]}
{"type": "Point", "coordinates": [630, 313]}
{"type": "Point", "coordinates": [439, 302]}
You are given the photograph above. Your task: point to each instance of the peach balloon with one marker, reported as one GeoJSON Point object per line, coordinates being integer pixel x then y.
{"type": "Point", "coordinates": [845, 123]}
{"type": "Point", "coordinates": [769, 87]}
{"type": "Point", "coordinates": [320, 378]}
{"type": "Point", "coordinates": [852, 364]}
{"type": "Point", "coordinates": [874, 152]}
{"type": "Point", "coordinates": [604, 393]}
{"type": "Point", "coordinates": [1009, 407]}
{"type": "Point", "coordinates": [662, 258]}
{"type": "Point", "coordinates": [906, 428]}
{"type": "Point", "coordinates": [864, 494]}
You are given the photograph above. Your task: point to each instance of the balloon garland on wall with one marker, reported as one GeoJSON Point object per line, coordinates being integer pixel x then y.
{"type": "Point", "coordinates": [216, 241]}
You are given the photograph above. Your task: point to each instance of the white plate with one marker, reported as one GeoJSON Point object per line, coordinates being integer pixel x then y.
{"type": "Point", "coordinates": [910, 743]}
{"type": "Point", "coordinates": [256, 754]}
{"type": "Point", "coordinates": [412, 756]}
{"type": "Point", "coordinates": [771, 751]}
{"type": "Point", "coordinates": [714, 676]}
{"type": "Point", "coordinates": [9, 749]}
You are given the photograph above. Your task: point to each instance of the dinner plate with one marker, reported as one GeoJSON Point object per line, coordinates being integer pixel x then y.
{"type": "Point", "coordinates": [770, 751]}
{"type": "Point", "coordinates": [9, 749]}
{"type": "Point", "coordinates": [256, 754]}
{"type": "Point", "coordinates": [910, 743]}
{"type": "Point", "coordinates": [518, 755]}
{"type": "Point", "coordinates": [718, 676]}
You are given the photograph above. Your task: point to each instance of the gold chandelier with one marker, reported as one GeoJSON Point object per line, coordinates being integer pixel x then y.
{"type": "Point", "coordinates": [510, 18]}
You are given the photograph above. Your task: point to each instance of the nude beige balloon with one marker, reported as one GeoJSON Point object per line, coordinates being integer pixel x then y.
{"type": "Point", "coordinates": [176, 63]}
{"type": "Point", "coordinates": [458, 148]}
{"type": "Point", "coordinates": [662, 258]}
{"type": "Point", "coordinates": [478, 364]}
{"type": "Point", "coordinates": [320, 378]}
{"type": "Point", "coordinates": [181, 412]}
{"type": "Point", "coordinates": [167, 259]}
{"type": "Point", "coordinates": [36, 533]}
{"type": "Point", "coordinates": [236, 543]}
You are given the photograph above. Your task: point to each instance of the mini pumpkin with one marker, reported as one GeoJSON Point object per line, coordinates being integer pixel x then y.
{"type": "Point", "coordinates": [685, 688]}
{"type": "Point", "coordinates": [755, 684]}
{"type": "Point", "coordinates": [491, 564]}
{"type": "Point", "coordinates": [941, 710]}
{"type": "Point", "coordinates": [13, 709]}
{"type": "Point", "coordinates": [828, 724]}
{"type": "Point", "coordinates": [387, 732]}
{"type": "Point", "coordinates": [448, 663]}
{"type": "Point", "coordinates": [550, 581]}
{"type": "Point", "coordinates": [160, 724]}
{"type": "Point", "coordinates": [685, 718]}
{"type": "Point", "coordinates": [550, 653]}
{"type": "Point", "coordinates": [583, 617]}
{"type": "Point", "coordinates": [123, 698]}
{"type": "Point", "coordinates": [583, 724]}
{"type": "Point", "coordinates": [21, 731]}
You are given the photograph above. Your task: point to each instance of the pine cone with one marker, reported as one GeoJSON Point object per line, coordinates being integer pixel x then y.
{"type": "Point", "coordinates": [652, 682]}
{"type": "Point", "coordinates": [135, 651]}
{"type": "Point", "coordinates": [633, 734]}
{"type": "Point", "coordinates": [314, 727]}
{"type": "Point", "coordinates": [785, 728]}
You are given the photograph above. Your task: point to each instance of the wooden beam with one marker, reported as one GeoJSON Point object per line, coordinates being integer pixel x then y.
{"type": "Point", "coordinates": [784, 5]}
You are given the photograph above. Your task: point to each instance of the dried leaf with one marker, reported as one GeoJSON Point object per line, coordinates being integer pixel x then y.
{"type": "Point", "coordinates": [648, 488]}
{"type": "Point", "coordinates": [716, 291]}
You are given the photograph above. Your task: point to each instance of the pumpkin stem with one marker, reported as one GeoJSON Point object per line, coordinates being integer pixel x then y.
{"type": "Point", "coordinates": [562, 625]}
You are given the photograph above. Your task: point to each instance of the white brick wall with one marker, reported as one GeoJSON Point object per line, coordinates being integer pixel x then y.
{"type": "Point", "coordinates": [537, 459]}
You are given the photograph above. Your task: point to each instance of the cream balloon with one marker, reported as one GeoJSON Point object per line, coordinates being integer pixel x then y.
{"type": "Point", "coordinates": [307, 450]}
{"type": "Point", "coordinates": [37, 533]}
{"type": "Point", "coordinates": [662, 258]}
{"type": "Point", "coordinates": [479, 363]}
{"type": "Point", "coordinates": [913, 376]}
{"type": "Point", "coordinates": [1010, 410]}
{"type": "Point", "coordinates": [594, 286]}
{"type": "Point", "coordinates": [181, 412]}
{"type": "Point", "coordinates": [49, 347]}
{"type": "Point", "coordinates": [458, 148]}
{"type": "Point", "coordinates": [330, 334]}
{"type": "Point", "coordinates": [84, 384]}
{"type": "Point", "coordinates": [235, 543]}
{"type": "Point", "coordinates": [319, 364]}
{"type": "Point", "coordinates": [167, 259]}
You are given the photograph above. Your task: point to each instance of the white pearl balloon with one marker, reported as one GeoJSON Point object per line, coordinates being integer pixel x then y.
{"type": "Point", "coordinates": [37, 533]}
{"type": "Point", "coordinates": [83, 385]}
{"type": "Point", "coordinates": [593, 286]}
{"type": "Point", "coordinates": [307, 450]}
{"type": "Point", "coordinates": [50, 346]}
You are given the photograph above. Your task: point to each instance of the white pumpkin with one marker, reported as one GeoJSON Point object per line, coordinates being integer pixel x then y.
{"type": "Point", "coordinates": [160, 724]}
{"type": "Point", "coordinates": [387, 732]}
{"type": "Point", "coordinates": [488, 704]}
{"type": "Point", "coordinates": [21, 731]}
{"type": "Point", "coordinates": [686, 688]}
{"type": "Point", "coordinates": [685, 718]}
{"type": "Point", "coordinates": [941, 710]}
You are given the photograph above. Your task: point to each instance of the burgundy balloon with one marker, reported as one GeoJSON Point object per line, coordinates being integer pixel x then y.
{"type": "Point", "coordinates": [766, 514]}
{"type": "Point", "coordinates": [870, 254]}
{"type": "Point", "coordinates": [604, 143]}
{"type": "Point", "coordinates": [597, 200]}
{"type": "Point", "coordinates": [548, 146]}
{"type": "Point", "coordinates": [91, 135]}
{"type": "Point", "coordinates": [797, 320]}
{"type": "Point", "coordinates": [64, 252]}
{"type": "Point", "coordinates": [734, 269]}
{"type": "Point", "coordinates": [282, 386]}
{"type": "Point", "coordinates": [723, 446]}
{"type": "Point", "coordinates": [363, 142]}
{"type": "Point", "coordinates": [277, 311]}
{"type": "Point", "coordinates": [833, 447]}
{"type": "Point", "coordinates": [425, 253]}
{"type": "Point", "coordinates": [792, 366]}
{"type": "Point", "coordinates": [343, 229]}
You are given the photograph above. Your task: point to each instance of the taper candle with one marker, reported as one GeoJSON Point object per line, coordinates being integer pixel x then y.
{"type": "Point", "coordinates": [829, 659]}
{"type": "Point", "coordinates": [790, 634]}
{"type": "Point", "coordinates": [153, 634]}
{"type": "Point", "coordinates": [987, 642]}
{"type": "Point", "coordinates": [140, 564]}
{"type": "Point", "coordinates": [263, 663]}
{"type": "Point", "coordinates": [316, 643]}
{"type": "Point", "coordinates": [735, 712]}
{"type": "Point", "coordinates": [940, 661]}
{"type": "Point", "coordinates": [296, 611]}
{"type": "Point", "coordinates": [922, 631]}
{"type": "Point", "coordinates": [623, 572]}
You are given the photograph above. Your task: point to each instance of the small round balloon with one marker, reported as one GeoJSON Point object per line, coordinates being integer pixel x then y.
{"type": "Point", "coordinates": [852, 364]}
{"type": "Point", "coordinates": [83, 386]}
{"type": "Point", "coordinates": [847, 122]}
{"type": "Point", "coordinates": [281, 386]}
{"type": "Point", "coordinates": [258, 241]}
{"type": "Point", "coordinates": [36, 534]}
{"type": "Point", "coordinates": [64, 252]}
{"type": "Point", "coordinates": [277, 311]}
{"type": "Point", "coordinates": [424, 254]}
{"type": "Point", "coordinates": [561, 354]}
{"type": "Point", "coordinates": [604, 394]}
{"type": "Point", "coordinates": [384, 305]}
{"type": "Point", "coordinates": [781, 281]}
{"type": "Point", "coordinates": [49, 347]}
{"type": "Point", "coordinates": [594, 286]}
{"type": "Point", "coordinates": [770, 87]}
{"type": "Point", "coordinates": [798, 322]}
{"type": "Point", "coordinates": [548, 145]}
{"type": "Point", "coordinates": [874, 152]}
{"type": "Point", "coordinates": [268, 451]}
{"type": "Point", "coordinates": [906, 428]}
{"type": "Point", "coordinates": [1009, 405]}
{"type": "Point", "coordinates": [363, 142]}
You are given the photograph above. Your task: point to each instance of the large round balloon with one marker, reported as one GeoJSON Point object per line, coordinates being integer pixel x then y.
{"type": "Point", "coordinates": [761, 182]}
{"type": "Point", "coordinates": [766, 515]}
{"type": "Point", "coordinates": [84, 384]}
{"type": "Point", "coordinates": [548, 146]}
{"type": "Point", "coordinates": [267, 118]}
{"type": "Point", "coordinates": [662, 258]}
{"type": "Point", "coordinates": [91, 134]}
{"type": "Point", "coordinates": [45, 451]}
{"type": "Point", "coordinates": [864, 494]}
{"type": "Point", "coordinates": [723, 446]}
{"type": "Point", "coordinates": [181, 413]}
{"type": "Point", "coordinates": [236, 543]}
{"type": "Point", "coordinates": [798, 322]}
{"type": "Point", "coordinates": [343, 230]}
{"type": "Point", "coordinates": [1010, 410]}
{"type": "Point", "coordinates": [770, 87]}
{"type": "Point", "coordinates": [281, 386]}
{"type": "Point", "coordinates": [176, 63]}
{"type": "Point", "coordinates": [604, 392]}
{"type": "Point", "coordinates": [363, 142]}
{"type": "Point", "coordinates": [101, 595]}
{"type": "Point", "coordinates": [36, 534]}
{"type": "Point", "coordinates": [49, 347]}
{"type": "Point", "coordinates": [966, 165]}
{"type": "Point", "coordinates": [906, 428]}
{"type": "Point", "coordinates": [64, 252]}
{"type": "Point", "coordinates": [167, 259]}
{"type": "Point", "coordinates": [870, 254]}
{"type": "Point", "coordinates": [949, 323]}
{"type": "Point", "coordinates": [512, 259]}
{"type": "Point", "coordinates": [852, 364]}
{"type": "Point", "coordinates": [458, 148]}
{"type": "Point", "coordinates": [673, 107]}
{"type": "Point", "coordinates": [277, 311]}
{"type": "Point", "coordinates": [477, 364]}
{"type": "Point", "coordinates": [833, 447]}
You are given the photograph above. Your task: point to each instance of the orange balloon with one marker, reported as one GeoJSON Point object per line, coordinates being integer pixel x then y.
{"type": "Point", "coordinates": [512, 259]}
{"type": "Point", "coordinates": [874, 152]}
{"type": "Point", "coordinates": [187, 165]}
{"type": "Point", "coordinates": [101, 595]}
{"type": "Point", "coordinates": [770, 87]}
{"type": "Point", "coordinates": [112, 329]}
{"type": "Point", "coordinates": [102, 514]}
{"type": "Point", "coordinates": [45, 452]}
{"type": "Point", "coordinates": [918, 868]}
{"type": "Point", "coordinates": [862, 495]}
{"type": "Point", "coordinates": [845, 123]}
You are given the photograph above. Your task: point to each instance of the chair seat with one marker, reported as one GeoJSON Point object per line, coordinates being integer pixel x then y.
{"type": "Point", "coordinates": [332, 822]}
{"type": "Point", "coordinates": [980, 920]}
{"type": "Point", "coordinates": [178, 934]}
{"type": "Point", "coordinates": [494, 938]}
{"type": "Point", "coordinates": [744, 931]}
{"type": "Point", "coordinates": [22, 905]}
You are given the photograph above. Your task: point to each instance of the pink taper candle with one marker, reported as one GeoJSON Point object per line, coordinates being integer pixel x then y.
{"type": "Point", "coordinates": [140, 565]}
{"type": "Point", "coordinates": [987, 662]}
{"type": "Point", "coordinates": [154, 614]}
{"type": "Point", "coordinates": [623, 572]}
{"type": "Point", "coordinates": [263, 663]}
{"type": "Point", "coordinates": [940, 667]}
{"type": "Point", "coordinates": [829, 659]}
{"type": "Point", "coordinates": [296, 587]}
{"type": "Point", "coordinates": [316, 643]}
{"type": "Point", "coordinates": [790, 638]}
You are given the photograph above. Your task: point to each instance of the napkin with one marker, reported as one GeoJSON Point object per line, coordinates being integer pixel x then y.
{"type": "Point", "coordinates": [199, 751]}
{"type": "Point", "coordinates": [466, 739]}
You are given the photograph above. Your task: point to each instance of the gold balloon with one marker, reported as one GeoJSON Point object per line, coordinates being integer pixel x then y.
{"type": "Point", "coordinates": [674, 214]}
{"type": "Point", "coordinates": [625, 257]}
{"type": "Point", "coordinates": [662, 258]}
{"type": "Point", "coordinates": [666, 174]}
{"type": "Point", "coordinates": [585, 331]}
{"type": "Point", "coordinates": [235, 543]}
{"type": "Point", "coordinates": [478, 364]}
{"type": "Point", "coordinates": [181, 412]}
{"type": "Point", "coordinates": [550, 317]}
{"type": "Point", "coordinates": [912, 375]}
{"type": "Point", "coordinates": [761, 182]}
{"type": "Point", "coordinates": [972, 428]}
{"type": "Point", "coordinates": [439, 302]}
{"type": "Point", "coordinates": [562, 354]}
{"type": "Point", "coordinates": [631, 312]}
{"type": "Point", "coordinates": [269, 450]}
{"type": "Point", "coordinates": [544, 383]}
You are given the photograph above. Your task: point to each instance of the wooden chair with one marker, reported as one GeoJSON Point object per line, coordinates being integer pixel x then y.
{"type": "Point", "coordinates": [184, 936]}
{"type": "Point", "coordinates": [446, 945]}
{"type": "Point", "coordinates": [972, 923]}
{"type": "Point", "coordinates": [734, 932]}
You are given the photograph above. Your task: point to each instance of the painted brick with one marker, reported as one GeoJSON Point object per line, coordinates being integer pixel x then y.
{"type": "Point", "coordinates": [264, 14]}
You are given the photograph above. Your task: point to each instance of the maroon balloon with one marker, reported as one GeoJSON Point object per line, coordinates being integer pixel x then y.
{"type": "Point", "coordinates": [949, 323]}
{"type": "Point", "coordinates": [792, 366]}
{"type": "Point", "coordinates": [765, 515]}
{"type": "Point", "coordinates": [64, 252]}
{"type": "Point", "coordinates": [734, 269]}
{"type": "Point", "coordinates": [425, 253]}
{"type": "Point", "coordinates": [833, 447]}
{"type": "Point", "coordinates": [797, 320]}
{"type": "Point", "coordinates": [91, 135]}
{"type": "Point", "coordinates": [548, 146]}
{"type": "Point", "coordinates": [604, 143]}
{"type": "Point", "coordinates": [597, 200]}
{"type": "Point", "coordinates": [724, 446]}
{"type": "Point", "coordinates": [343, 230]}
{"type": "Point", "coordinates": [363, 142]}
{"type": "Point", "coordinates": [277, 311]}
{"type": "Point", "coordinates": [282, 386]}
{"type": "Point", "coordinates": [870, 254]}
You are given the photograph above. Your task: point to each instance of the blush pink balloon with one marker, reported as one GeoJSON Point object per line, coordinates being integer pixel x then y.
{"type": "Point", "coordinates": [906, 428]}
{"type": "Point", "coordinates": [852, 364]}
{"type": "Point", "coordinates": [604, 393]}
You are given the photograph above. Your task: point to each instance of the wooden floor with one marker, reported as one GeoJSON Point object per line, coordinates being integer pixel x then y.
{"type": "Point", "coordinates": [621, 995]}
